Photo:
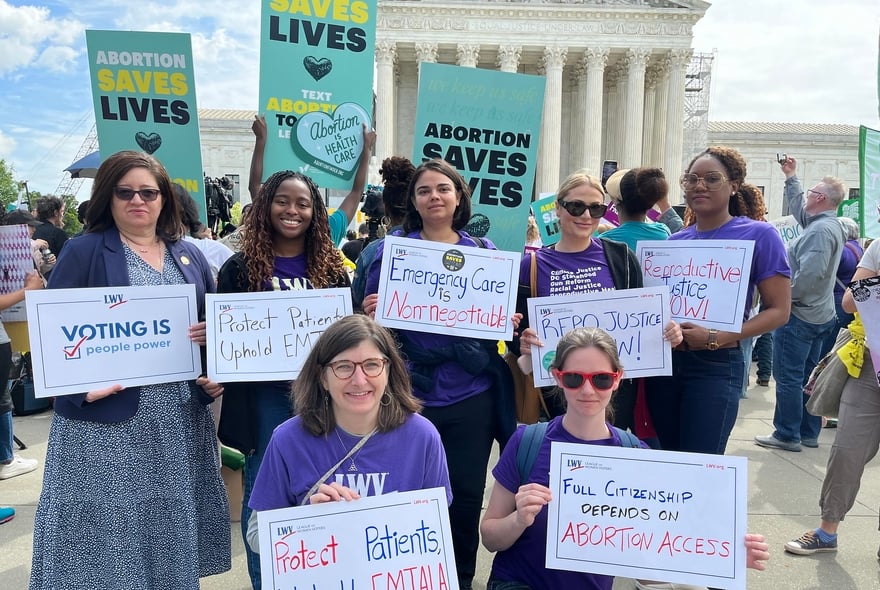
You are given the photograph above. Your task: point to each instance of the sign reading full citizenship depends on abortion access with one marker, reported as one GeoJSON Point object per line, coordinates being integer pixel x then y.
{"type": "Point", "coordinates": [87, 339]}
{"type": "Point", "coordinates": [708, 279]}
{"type": "Point", "coordinates": [398, 541]}
{"type": "Point", "coordinates": [447, 289]}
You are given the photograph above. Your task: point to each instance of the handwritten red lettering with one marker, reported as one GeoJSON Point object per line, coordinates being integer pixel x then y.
{"type": "Point", "coordinates": [291, 559]}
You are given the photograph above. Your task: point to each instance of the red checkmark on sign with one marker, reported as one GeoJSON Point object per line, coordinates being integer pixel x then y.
{"type": "Point", "coordinates": [72, 353]}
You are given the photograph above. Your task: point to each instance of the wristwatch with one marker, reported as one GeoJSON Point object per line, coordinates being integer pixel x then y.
{"type": "Point", "coordinates": [712, 344]}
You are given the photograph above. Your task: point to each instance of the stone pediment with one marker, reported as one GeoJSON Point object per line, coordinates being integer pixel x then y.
{"type": "Point", "coordinates": [681, 4]}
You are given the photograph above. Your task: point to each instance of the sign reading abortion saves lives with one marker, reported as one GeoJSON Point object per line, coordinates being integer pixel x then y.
{"type": "Point", "coordinates": [447, 289]}
{"type": "Point", "coordinates": [708, 279]}
{"type": "Point", "coordinates": [395, 541]}
{"type": "Point", "coordinates": [638, 513]}
{"type": "Point", "coordinates": [267, 336]}
{"type": "Point", "coordinates": [87, 339]}
{"type": "Point", "coordinates": [633, 317]}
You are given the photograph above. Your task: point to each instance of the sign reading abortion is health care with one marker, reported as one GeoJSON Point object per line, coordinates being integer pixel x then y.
{"type": "Point", "coordinates": [316, 85]}
{"type": "Point", "coordinates": [87, 339]}
{"type": "Point", "coordinates": [634, 318]}
{"type": "Point", "coordinates": [866, 293]}
{"type": "Point", "coordinates": [639, 513]}
{"type": "Point", "coordinates": [398, 541]}
{"type": "Point", "coordinates": [708, 279]}
{"type": "Point", "coordinates": [447, 289]}
{"type": "Point", "coordinates": [486, 124]}
{"type": "Point", "coordinates": [267, 336]}
{"type": "Point", "coordinates": [144, 92]}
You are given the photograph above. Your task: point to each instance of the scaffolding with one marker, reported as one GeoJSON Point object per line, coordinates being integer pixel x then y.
{"type": "Point", "coordinates": [696, 106]}
{"type": "Point", "coordinates": [70, 185]}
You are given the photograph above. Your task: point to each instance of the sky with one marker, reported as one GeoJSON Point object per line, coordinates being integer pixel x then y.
{"type": "Point", "coordinates": [796, 61]}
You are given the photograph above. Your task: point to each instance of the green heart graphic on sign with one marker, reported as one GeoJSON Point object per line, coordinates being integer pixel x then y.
{"type": "Point", "coordinates": [332, 143]}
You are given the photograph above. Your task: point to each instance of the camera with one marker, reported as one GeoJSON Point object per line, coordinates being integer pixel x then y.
{"type": "Point", "coordinates": [781, 158]}
{"type": "Point", "coordinates": [373, 209]}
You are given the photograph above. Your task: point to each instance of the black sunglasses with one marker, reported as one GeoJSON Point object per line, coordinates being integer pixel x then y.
{"type": "Point", "coordinates": [575, 379]}
{"type": "Point", "coordinates": [127, 194]}
{"type": "Point", "coordinates": [577, 208]}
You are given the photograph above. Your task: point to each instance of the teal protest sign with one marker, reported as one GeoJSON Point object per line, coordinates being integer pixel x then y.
{"type": "Point", "coordinates": [316, 85]}
{"type": "Point", "coordinates": [869, 165]}
{"type": "Point", "coordinates": [486, 124]}
{"type": "Point", "coordinates": [544, 210]}
{"type": "Point", "coordinates": [144, 93]}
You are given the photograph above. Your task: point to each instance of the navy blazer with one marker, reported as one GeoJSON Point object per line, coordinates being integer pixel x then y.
{"type": "Point", "coordinates": [98, 260]}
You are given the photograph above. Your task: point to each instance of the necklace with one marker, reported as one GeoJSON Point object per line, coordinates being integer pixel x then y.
{"type": "Point", "coordinates": [352, 457]}
{"type": "Point", "coordinates": [137, 247]}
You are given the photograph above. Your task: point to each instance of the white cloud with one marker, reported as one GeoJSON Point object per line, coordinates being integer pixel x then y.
{"type": "Point", "coordinates": [7, 145]}
{"type": "Point", "coordinates": [28, 32]}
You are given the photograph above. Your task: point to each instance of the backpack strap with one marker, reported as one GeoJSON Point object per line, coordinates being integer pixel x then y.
{"type": "Point", "coordinates": [529, 445]}
{"type": "Point", "coordinates": [479, 241]}
{"type": "Point", "coordinates": [627, 438]}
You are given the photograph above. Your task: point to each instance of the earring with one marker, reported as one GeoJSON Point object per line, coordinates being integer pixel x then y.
{"type": "Point", "coordinates": [385, 401]}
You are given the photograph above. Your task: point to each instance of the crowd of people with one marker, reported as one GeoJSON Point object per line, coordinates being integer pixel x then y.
{"type": "Point", "coordinates": [423, 409]}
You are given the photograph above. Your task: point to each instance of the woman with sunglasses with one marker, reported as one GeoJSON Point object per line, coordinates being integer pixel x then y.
{"type": "Point", "coordinates": [285, 246]}
{"type": "Point", "coordinates": [695, 409]}
{"type": "Point", "coordinates": [357, 431]}
{"type": "Point", "coordinates": [132, 495]}
{"type": "Point", "coordinates": [587, 371]}
{"type": "Point", "coordinates": [581, 263]}
{"type": "Point", "coordinates": [459, 380]}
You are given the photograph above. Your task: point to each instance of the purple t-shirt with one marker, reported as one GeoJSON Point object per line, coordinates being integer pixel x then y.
{"type": "Point", "coordinates": [569, 272]}
{"type": "Point", "coordinates": [452, 383]}
{"type": "Point", "coordinates": [524, 561]}
{"type": "Point", "coordinates": [410, 457]}
{"type": "Point", "coordinates": [288, 274]}
{"type": "Point", "coordinates": [769, 256]}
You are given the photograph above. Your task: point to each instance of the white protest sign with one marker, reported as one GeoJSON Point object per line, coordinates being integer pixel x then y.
{"type": "Point", "coordinates": [708, 279]}
{"type": "Point", "coordinates": [443, 288]}
{"type": "Point", "coordinates": [398, 541]}
{"type": "Point", "coordinates": [866, 293]}
{"type": "Point", "coordinates": [633, 317]}
{"type": "Point", "coordinates": [267, 336]}
{"type": "Point", "coordinates": [788, 228]}
{"type": "Point", "coordinates": [639, 513]}
{"type": "Point", "coordinates": [87, 339]}
{"type": "Point", "coordinates": [16, 260]}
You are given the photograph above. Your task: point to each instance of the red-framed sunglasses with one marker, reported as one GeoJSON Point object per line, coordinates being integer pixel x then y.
{"type": "Point", "coordinates": [575, 379]}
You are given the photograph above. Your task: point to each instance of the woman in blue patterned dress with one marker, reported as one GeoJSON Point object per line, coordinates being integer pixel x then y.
{"type": "Point", "coordinates": [132, 496]}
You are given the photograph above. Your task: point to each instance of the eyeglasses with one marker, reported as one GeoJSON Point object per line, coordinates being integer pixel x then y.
{"type": "Point", "coordinates": [370, 367]}
{"type": "Point", "coordinates": [711, 180]}
{"type": "Point", "coordinates": [817, 193]}
{"type": "Point", "coordinates": [577, 208]}
{"type": "Point", "coordinates": [127, 194]}
{"type": "Point", "coordinates": [575, 379]}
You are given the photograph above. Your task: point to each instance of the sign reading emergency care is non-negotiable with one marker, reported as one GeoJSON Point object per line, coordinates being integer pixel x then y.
{"type": "Point", "coordinates": [87, 339]}
{"type": "Point", "coordinates": [447, 289]}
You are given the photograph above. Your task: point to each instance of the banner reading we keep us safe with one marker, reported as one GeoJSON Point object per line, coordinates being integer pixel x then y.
{"type": "Point", "coordinates": [144, 91]}
{"type": "Point", "coordinates": [316, 86]}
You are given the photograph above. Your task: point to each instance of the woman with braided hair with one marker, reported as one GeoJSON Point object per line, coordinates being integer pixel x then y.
{"type": "Point", "coordinates": [286, 245]}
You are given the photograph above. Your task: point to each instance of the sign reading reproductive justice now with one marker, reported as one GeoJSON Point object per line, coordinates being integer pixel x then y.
{"type": "Point", "coordinates": [639, 513]}
{"type": "Point", "coordinates": [87, 339]}
{"type": "Point", "coordinates": [633, 317]}
{"type": "Point", "coordinates": [399, 540]}
{"type": "Point", "coordinates": [708, 279]}
{"type": "Point", "coordinates": [267, 336]}
{"type": "Point", "coordinates": [447, 289]}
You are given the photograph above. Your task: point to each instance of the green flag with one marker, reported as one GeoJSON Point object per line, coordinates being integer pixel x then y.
{"type": "Point", "coordinates": [869, 191]}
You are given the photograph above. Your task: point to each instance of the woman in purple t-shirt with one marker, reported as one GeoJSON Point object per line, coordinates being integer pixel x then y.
{"type": "Point", "coordinates": [695, 409]}
{"type": "Point", "coordinates": [286, 245]}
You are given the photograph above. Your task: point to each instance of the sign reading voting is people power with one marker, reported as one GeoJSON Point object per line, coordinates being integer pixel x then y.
{"type": "Point", "coordinates": [398, 541]}
{"type": "Point", "coordinates": [633, 317]}
{"type": "Point", "coordinates": [267, 336]}
{"type": "Point", "coordinates": [87, 339]}
{"type": "Point", "coordinates": [708, 279]}
{"type": "Point", "coordinates": [447, 289]}
{"type": "Point", "coordinates": [639, 513]}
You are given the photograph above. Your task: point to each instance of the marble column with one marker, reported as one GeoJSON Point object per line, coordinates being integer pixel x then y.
{"type": "Point", "coordinates": [620, 113]}
{"type": "Point", "coordinates": [426, 52]}
{"type": "Point", "coordinates": [576, 127]}
{"type": "Point", "coordinates": [551, 65]}
{"type": "Point", "coordinates": [648, 119]}
{"type": "Point", "coordinates": [660, 72]}
{"type": "Point", "coordinates": [594, 61]}
{"type": "Point", "coordinates": [508, 58]}
{"type": "Point", "coordinates": [634, 119]}
{"type": "Point", "coordinates": [386, 54]}
{"type": "Point", "coordinates": [678, 60]}
{"type": "Point", "coordinates": [468, 56]}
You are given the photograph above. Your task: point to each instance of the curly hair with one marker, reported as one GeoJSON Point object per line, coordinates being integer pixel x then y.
{"type": "Point", "coordinates": [735, 167]}
{"type": "Point", "coordinates": [413, 221]}
{"type": "Point", "coordinates": [323, 262]}
{"type": "Point", "coordinates": [396, 172]}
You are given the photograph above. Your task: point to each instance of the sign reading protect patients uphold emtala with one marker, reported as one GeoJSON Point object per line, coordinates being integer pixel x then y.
{"type": "Point", "coordinates": [87, 339]}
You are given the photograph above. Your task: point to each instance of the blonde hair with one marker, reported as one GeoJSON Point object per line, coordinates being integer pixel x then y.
{"type": "Point", "coordinates": [576, 179]}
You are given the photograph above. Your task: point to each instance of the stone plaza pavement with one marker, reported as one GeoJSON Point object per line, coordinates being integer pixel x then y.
{"type": "Point", "coordinates": [783, 503]}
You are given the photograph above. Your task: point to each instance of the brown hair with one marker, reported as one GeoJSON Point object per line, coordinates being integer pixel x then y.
{"type": "Point", "coordinates": [412, 221]}
{"type": "Point", "coordinates": [397, 173]}
{"type": "Point", "coordinates": [587, 338]}
{"type": "Point", "coordinates": [735, 168]}
{"type": "Point", "coordinates": [99, 216]}
{"type": "Point", "coordinates": [640, 189]}
{"type": "Point", "coordinates": [312, 401]}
